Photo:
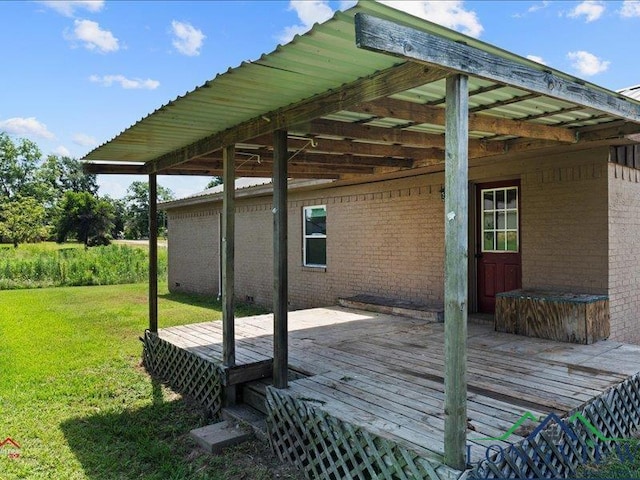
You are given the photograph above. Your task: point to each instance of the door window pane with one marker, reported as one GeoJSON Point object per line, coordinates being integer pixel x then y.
{"type": "Point", "coordinates": [500, 220]}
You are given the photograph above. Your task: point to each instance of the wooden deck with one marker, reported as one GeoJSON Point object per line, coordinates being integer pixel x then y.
{"type": "Point", "coordinates": [384, 372]}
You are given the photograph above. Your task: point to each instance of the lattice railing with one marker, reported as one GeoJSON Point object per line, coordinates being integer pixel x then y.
{"type": "Point", "coordinates": [325, 447]}
{"type": "Point", "coordinates": [186, 372]}
{"type": "Point", "coordinates": [579, 438]}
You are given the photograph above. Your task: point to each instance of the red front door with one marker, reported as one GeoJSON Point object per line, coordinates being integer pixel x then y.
{"type": "Point", "coordinates": [498, 248]}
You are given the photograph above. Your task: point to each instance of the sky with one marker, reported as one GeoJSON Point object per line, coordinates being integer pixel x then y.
{"type": "Point", "coordinates": [78, 73]}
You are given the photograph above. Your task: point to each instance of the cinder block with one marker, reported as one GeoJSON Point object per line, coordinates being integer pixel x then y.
{"type": "Point", "coordinates": [213, 438]}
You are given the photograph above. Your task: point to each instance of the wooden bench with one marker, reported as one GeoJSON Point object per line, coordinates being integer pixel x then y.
{"type": "Point", "coordinates": [554, 315]}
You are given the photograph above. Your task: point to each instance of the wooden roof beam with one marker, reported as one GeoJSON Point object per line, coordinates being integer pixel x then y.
{"type": "Point", "coordinates": [387, 37]}
{"type": "Point", "coordinates": [347, 147]}
{"type": "Point", "coordinates": [113, 168]}
{"type": "Point", "coordinates": [381, 84]}
{"type": "Point", "coordinates": [393, 136]}
{"type": "Point", "coordinates": [421, 113]}
{"type": "Point", "coordinates": [312, 158]}
{"type": "Point", "coordinates": [266, 167]}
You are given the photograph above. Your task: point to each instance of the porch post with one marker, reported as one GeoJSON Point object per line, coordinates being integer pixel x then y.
{"type": "Point", "coordinates": [280, 261]}
{"type": "Point", "coordinates": [455, 271]}
{"type": "Point", "coordinates": [153, 253]}
{"type": "Point", "coordinates": [228, 257]}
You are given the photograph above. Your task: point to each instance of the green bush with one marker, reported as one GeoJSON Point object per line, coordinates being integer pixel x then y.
{"type": "Point", "coordinates": [33, 266]}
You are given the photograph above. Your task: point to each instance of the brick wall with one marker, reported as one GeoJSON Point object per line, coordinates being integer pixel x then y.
{"type": "Point", "coordinates": [564, 227]}
{"type": "Point", "coordinates": [624, 253]}
{"type": "Point", "coordinates": [386, 237]}
{"type": "Point", "coordinates": [194, 250]}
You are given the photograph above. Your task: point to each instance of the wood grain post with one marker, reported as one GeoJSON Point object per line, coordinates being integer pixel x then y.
{"type": "Point", "coordinates": [228, 257]}
{"type": "Point", "coordinates": [153, 253]}
{"type": "Point", "coordinates": [280, 262]}
{"type": "Point", "coordinates": [228, 268]}
{"type": "Point", "coordinates": [455, 271]}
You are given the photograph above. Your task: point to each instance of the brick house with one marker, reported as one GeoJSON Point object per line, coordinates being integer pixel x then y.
{"type": "Point", "coordinates": [538, 169]}
{"type": "Point", "coordinates": [577, 223]}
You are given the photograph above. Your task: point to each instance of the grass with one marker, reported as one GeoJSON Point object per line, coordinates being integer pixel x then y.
{"type": "Point", "coordinates": [49, 264]}
{"type": "Point", "coordinates": [73, 394]}
{"type": "Point", "coordinates": [622, 463]}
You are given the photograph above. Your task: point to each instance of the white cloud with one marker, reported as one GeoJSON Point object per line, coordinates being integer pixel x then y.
{"type": "Point", "coordinates": [591, 9]}
{"type": "Point", "coordinates": [187, 38]}
{"type": "Point", "coordinates": [630, 8]}
{"type": "Point", "coordinates": [84, 140]}
{"type": "Point", "coordinates": [538, 6]}
{"type": "Point", "coordinates": [68, 8]}
{"type": "Point", "coordinates": [93, 37]}
{"type": "Point", "coordinates": [62, 151]}
{"type": "Point", "coordinates": [587, 63]}
{"type": "Point", "coordinates": [448, 13]}
{"type": "Point", "coordinates": [536, 58]}
{"type": "Point", "coordinates": [126, 83]}
{"type": "Point", "coordinates": [29, 126]}
{"type": "Point", "coordinates": [309, 12]}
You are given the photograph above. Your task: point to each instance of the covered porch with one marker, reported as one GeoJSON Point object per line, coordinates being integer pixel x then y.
{"type": "Point", "coordinates": [374, 382]}
{"type": "Point", "coordinates": [375, 92]}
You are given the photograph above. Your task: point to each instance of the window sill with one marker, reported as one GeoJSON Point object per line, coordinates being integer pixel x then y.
{"type": "Point", "coordinates": [306, 268]}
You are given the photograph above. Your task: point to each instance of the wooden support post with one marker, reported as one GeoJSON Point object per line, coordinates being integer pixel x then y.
{"type": "Point", "coordinates": [280, 262]}
{"type": "Point", "coordinates": [153, 253]}
{"type": "Point", "coordinates": [455, 271]}
{"type": "Point", "coordinates": [228, 268]}
{"type": "Point", "coordinates": [228, 257]}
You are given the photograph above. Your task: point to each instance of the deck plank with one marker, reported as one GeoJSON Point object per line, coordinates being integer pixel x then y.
{"type": "Point", "coordinates": [385, 372]}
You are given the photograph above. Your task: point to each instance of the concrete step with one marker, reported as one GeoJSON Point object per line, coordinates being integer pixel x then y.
{"type": "Point", "coordinates": [214, 438]}
{"type": "Point", "coordinates": [247, 417]}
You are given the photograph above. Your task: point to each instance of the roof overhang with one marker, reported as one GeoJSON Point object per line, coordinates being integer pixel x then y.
{"type": "Point", "coordinates": [351, 112]}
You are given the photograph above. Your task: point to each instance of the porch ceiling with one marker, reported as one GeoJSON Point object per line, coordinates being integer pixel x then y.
{"type": "Point", "coordinates": [350, 112]}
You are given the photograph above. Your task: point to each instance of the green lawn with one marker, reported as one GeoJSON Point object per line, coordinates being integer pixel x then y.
{"type": "Point", "coordinates": [73, 393]}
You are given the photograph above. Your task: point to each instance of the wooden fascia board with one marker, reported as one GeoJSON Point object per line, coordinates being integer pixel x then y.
{"type": "Point", "coordinates": [420, 113]}
{"type": "Point", "coordinates": [381, 84]}
{"type": "Point", "coordinates": [114, 168]}
{"type": "Point", "coordinates": [383, 36]}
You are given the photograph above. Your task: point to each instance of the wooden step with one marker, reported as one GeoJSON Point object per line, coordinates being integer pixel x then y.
{"type": "Point", "coordinates": [391, 306]}
{"type": "Point", "coordinates": [248, 417]}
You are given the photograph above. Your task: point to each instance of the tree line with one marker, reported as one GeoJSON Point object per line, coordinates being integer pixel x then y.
{"type": "Point", "coordinates": [53, 198]}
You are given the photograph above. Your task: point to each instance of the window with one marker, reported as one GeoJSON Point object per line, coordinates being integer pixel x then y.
{"type": "Point", "coordinates": [315, 236]}
{"type": "Point", "coordinates": [500, 220]}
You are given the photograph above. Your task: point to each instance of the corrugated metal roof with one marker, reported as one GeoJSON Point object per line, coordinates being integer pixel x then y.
{"type": "Point", "coordinates": [322, 59]}
{"type": "Point", "coordinates": [631, 92]}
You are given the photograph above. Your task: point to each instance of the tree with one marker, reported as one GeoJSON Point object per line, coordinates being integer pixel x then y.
{"type": "Point", "coordinates": [137, 198]}
{"type": "Point", "coordinates": [120, 215]}
{"type": "Point", "coordinates": [22, 220]}
{"type": "Point", "coordinates": [19, 163]}
{"type": "Point", "coordinates": [215, 181]}
{"type": "Point", "coordinates": [66, 174]}
{"type": "Point", "coordinates": [85, 215]}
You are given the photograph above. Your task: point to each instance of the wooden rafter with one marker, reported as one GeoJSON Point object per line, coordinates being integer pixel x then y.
{"type": "Point", "coordinates": [392, 135]}
{"type": "Point", "coordinates": [384, 36]}
{"type": "Point", "coordinates": [503, 103]}
{"type": "Point", "coordinates": [421, 113]}
{"type": "Point", "coordinates": [264, 156]}
{"type": "Point", "coordinates": [347, 147]}
{"type": "Point", "coordinates": [393, 80]}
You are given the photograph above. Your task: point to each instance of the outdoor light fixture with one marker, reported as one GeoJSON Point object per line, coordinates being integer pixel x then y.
{"type": "Point", "coordinates": [443, 194]}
